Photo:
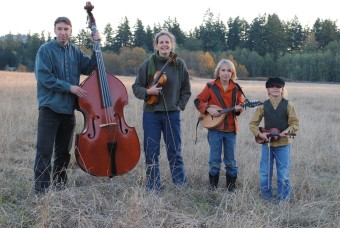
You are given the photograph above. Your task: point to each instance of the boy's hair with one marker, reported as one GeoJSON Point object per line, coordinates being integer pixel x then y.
{"type": "Point", "coordinates": [230, 64]}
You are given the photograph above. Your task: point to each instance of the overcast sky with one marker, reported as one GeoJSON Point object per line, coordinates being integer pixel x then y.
{"type": "Point", "coordinates": [23, 16]}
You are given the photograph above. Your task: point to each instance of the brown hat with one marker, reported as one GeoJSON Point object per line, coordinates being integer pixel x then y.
{"type": "Point", "coordinates": [275, 82]}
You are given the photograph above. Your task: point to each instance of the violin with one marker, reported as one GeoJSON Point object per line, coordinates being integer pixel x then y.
{"type": "Point", "coordinates": [107, 146]}
{"type": "Point", "coordinates": [160, 78]}
{"type": "Point", "coordinates": [273, 134]}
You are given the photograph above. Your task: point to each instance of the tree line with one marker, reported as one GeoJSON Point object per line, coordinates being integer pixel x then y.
{"type": "Point", "coordinates": [266, 47]}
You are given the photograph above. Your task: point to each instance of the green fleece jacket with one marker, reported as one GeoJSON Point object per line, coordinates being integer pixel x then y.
{"type": "Point", "coordinates": [176, 91]}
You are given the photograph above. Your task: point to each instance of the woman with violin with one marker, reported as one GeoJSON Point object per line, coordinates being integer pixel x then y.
{"type": "Point", "coordinates": [280, 121]}
{"type": "Point", "coordinates": [58, 67]}
{"type": "Point", "coordinates": [163, 83]}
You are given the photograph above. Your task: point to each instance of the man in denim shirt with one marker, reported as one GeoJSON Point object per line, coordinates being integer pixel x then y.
{"type": "Point", "coordinates": [58, 67]}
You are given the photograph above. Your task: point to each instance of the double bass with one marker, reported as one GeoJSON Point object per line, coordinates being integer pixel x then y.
{"type": "Point", "coordinates": [107, 146]}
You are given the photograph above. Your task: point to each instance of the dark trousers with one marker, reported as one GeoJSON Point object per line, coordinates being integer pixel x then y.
{"type": "Point", "coordinates": [55, 134]}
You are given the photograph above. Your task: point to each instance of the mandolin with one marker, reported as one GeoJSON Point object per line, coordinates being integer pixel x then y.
{"type": "Point", "coordinates": [210, 122]}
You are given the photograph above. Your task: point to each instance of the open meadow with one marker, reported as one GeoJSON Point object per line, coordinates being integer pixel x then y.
{"type": "Point", "coordinates": [122, 201]}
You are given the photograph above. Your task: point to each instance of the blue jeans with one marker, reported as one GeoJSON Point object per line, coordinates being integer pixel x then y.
{"type": "Point", "coordinates": [225, 141]}
{"type": "Point", "coordinates": [55, 132]}
{"type": "Point", "coordinates": [168, 123]}
{"type": "Point", "coordinates": [281, 156]}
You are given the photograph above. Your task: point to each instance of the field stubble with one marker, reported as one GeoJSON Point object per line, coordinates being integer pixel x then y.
{"type": "Point", "coordinates": [122, 201]}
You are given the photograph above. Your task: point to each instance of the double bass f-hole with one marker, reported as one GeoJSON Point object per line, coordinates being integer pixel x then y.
{"type": "Point", "coordinates": [107, 146]}
{"type": "Point", "coordinates": [91, 136]}
{"type": "Point", "coordinates": [120, 124]}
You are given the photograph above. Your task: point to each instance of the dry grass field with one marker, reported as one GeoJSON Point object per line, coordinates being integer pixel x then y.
{"type": "Point", "coordinates": [121, 201]}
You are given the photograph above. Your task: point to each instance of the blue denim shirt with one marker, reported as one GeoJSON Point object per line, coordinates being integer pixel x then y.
{"type": "Point", "coordinates": [56, 69]}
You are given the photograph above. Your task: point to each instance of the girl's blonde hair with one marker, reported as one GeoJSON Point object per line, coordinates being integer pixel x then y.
{"type": "Point", "coordinates": [231, 66]}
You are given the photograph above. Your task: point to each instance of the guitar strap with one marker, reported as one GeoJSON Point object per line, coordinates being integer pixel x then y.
{"type": "Point", "coordinates": [218, 94]}
{"type": "Point", "coordinates": [239, 88]}
{"type": "Point", "coordinates": [220, 99]}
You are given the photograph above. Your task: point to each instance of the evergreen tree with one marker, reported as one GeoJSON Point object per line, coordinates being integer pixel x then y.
{"type": "Point", "coordinates": [325, 32]}
{"type": "Point", "coordinates": [83, 39]}
{"type": "Point", "coordinates": [49, 38]}
{"type": "Point", "coordinates": [123, 36]}
{"type": "Point", "coordinates": [42, 37]}
{"type": "Point", "coordinates": [109, 39]}
{"type": "Point", "coordinates": [139, 35]}
{"type": "Point", "coordinates": [149, 39]}
{"type": "Point", "coordinates": [295, 35]}
{"type": "Point", "coordinates": [212, 33]}
{"type": "Point", "coordinates": [33, 44]}
{"type": "Point", "coordinates": [256, 36]}
{"type": "Point", "coordinates": [173, 27]}
{"type": "Point", "coordinates": [237, 33]}
{"type": "Point", "coordinates": [275, 40]}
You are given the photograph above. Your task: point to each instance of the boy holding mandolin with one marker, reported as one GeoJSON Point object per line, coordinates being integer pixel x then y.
{"type": "Point", "coordinates": [280, 121]}
{"type": "Point", "coordinates": [222, 92]}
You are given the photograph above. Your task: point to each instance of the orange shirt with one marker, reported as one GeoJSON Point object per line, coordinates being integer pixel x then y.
{"type": "Point", "coordinates": [208, 97]}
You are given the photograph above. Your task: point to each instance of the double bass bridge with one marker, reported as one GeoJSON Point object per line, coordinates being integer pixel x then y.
{"type": "Point", "coordinates": [108, 125]}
